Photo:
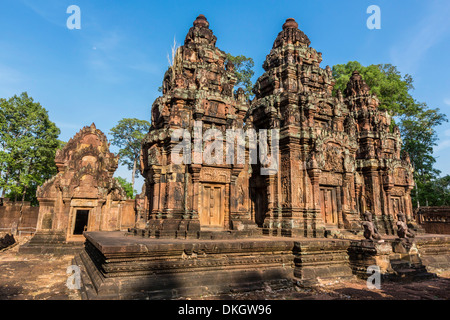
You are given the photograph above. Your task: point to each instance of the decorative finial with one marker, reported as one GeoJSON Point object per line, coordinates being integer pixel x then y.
{"type": "Point", "coordinates": [201, 21]}
{"type": "Point", "coordinates": [290, 23]}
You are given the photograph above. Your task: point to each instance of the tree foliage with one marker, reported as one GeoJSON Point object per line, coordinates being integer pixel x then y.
{"type": "Point", "coordinates": [127, 186]}
{"type": "Point", "coordinates": [435, 192]}
{"type": "Point", "coordinates": [416, 121]}
{"type": "Point", "coordinates": [28, 143]}
{"type": "Point", "coordinates": [243, 69]}
{"type": "Point", "coordinates": [384, 80]}
{"type": "Point", "coordinates": [128, 135]}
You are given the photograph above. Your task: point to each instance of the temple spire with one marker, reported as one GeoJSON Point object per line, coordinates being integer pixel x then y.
{"type": "Point", "coordinates": [200, 32]}
{"type": "Point", "coordinates": [201, 21]}
{"type": "Point", "coordinates": [290, 23]}
{"type": "Point", "coordinates": [356, 86]}
{"type": "Point", "coordinates": [291, 34]}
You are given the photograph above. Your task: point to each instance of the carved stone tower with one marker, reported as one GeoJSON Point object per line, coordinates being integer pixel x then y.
{"type": "Point", "coordinates": [294, 95]}
{"type": "Point", "coordinates": [198, 194]}
{"type": "Point", "coordinates": [337, 156]}
{"type": "Point", "coordinates": [82, 196]}
{"type": "Point", "coordinates": [385, 175]}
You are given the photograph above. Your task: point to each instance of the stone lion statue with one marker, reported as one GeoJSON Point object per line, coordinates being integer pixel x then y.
{"type": "Point", "coordinates": [402, 227]}
{"type": "Point", "coordinates": [370, 231]}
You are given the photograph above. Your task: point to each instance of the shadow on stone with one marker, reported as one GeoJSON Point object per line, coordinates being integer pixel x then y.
{"type": "Point", "coordinates": [7, 241]}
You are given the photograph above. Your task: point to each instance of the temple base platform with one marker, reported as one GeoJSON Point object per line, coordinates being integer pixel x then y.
{"type": "Point", "coordinates": [121, 265]}
{"type": "Point", "coordinates": [118, 265]}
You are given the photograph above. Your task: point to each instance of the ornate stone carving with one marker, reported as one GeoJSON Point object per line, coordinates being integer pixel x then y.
{"type": "Point", "coordinates": [197, 88]}
{"type": "Point", "coordinates": [343, 135]}
{"type": "Point", "coordinates": [341, 154]}
{"type": "Point", "coordinates": [84, 182]}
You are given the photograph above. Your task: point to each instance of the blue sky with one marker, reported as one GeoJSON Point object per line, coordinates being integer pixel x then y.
{"type": "Point", "coordinates": [112, 67]}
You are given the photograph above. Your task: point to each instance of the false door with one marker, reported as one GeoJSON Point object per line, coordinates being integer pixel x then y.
{"type": "Point", "coordinates": [211, 213]}
{"type": "Point", "coordinates": [328, 205]}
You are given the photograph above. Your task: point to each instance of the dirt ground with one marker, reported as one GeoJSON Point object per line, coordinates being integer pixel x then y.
{"type": "Point", "coordinates": [34, 277]}
{"type": "Point", "coordinates": [433, 289]}
{"type": "Point", "coordinates": [43, 277]}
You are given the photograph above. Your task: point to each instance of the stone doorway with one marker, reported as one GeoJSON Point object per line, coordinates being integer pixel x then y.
{"type": "Point", "coordinates": [328, 205]}
{"type": "Point", "coordinates": [81, 222]}
{"type": "Point", "coordinates": [212, 209]}
{"type": "Point", "coordinates": [259, 204]}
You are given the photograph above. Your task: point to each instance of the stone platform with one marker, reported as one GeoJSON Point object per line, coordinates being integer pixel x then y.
{"type": "Point", "coordinates": [434, 250]}
{"type": "Point", "coordinates": [401, 259]}
{"type": "Point", "coordinates": [117, 265]}
{"type": "Point", "coordinates": [120, 265]}
{"type": "Point", "coordinates": [51, 242]}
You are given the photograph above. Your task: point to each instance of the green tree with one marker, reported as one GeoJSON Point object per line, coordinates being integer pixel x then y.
{"type": "Point", "coordinates": [435, 192]}
{"type": "Point", "coordinates": [416, 121]}
{"type": "Point", "coordinates": [384, 80]}
{"type": "Point", "coordinates": [128, 135]}
{"type": "Point", "coordinates": [127, 186]}
{"type": "Point", "coordinates": [419, 137]}
{"type": "Point", "coordinates": [28, 143]}
{"type": "Point", "coordinates": [243, 69]}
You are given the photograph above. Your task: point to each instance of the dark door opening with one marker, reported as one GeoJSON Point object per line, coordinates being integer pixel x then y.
{"type": "Point", "coordinates": [81, 221]}
{"type": "Point", "coordinates": [259, 199]}
{"type": "Point", "coordinates": [258, 196]}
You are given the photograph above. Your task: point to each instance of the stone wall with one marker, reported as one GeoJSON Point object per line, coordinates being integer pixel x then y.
{"type": "Point", "coordinates": [128, 218]}
{"type": "Point", "coordinates": [434, 219]}
{"type": "Point", "coordinates": [10, 214]}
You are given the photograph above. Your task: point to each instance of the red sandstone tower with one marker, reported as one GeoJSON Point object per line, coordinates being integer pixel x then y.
{"type": "Point", "coordinates": [339, 156]}
{"type": "Point", "coordinates": [82, 196]}
{"type": "Point", "coordinates": [186, 198]}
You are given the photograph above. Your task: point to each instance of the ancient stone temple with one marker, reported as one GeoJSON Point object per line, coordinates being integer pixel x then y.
{"type": "Point", "coordinates": [326, 204]}
{"type": "Point", "coordinates": [83, 195]}
{"type": "Point", "coordinates": [338, 156]}
{"type": "Point", "coordinates": [198, 194]}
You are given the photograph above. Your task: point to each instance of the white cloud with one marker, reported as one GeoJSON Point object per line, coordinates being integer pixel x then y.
{"type": "Point", "coordinates": [447, 101]}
